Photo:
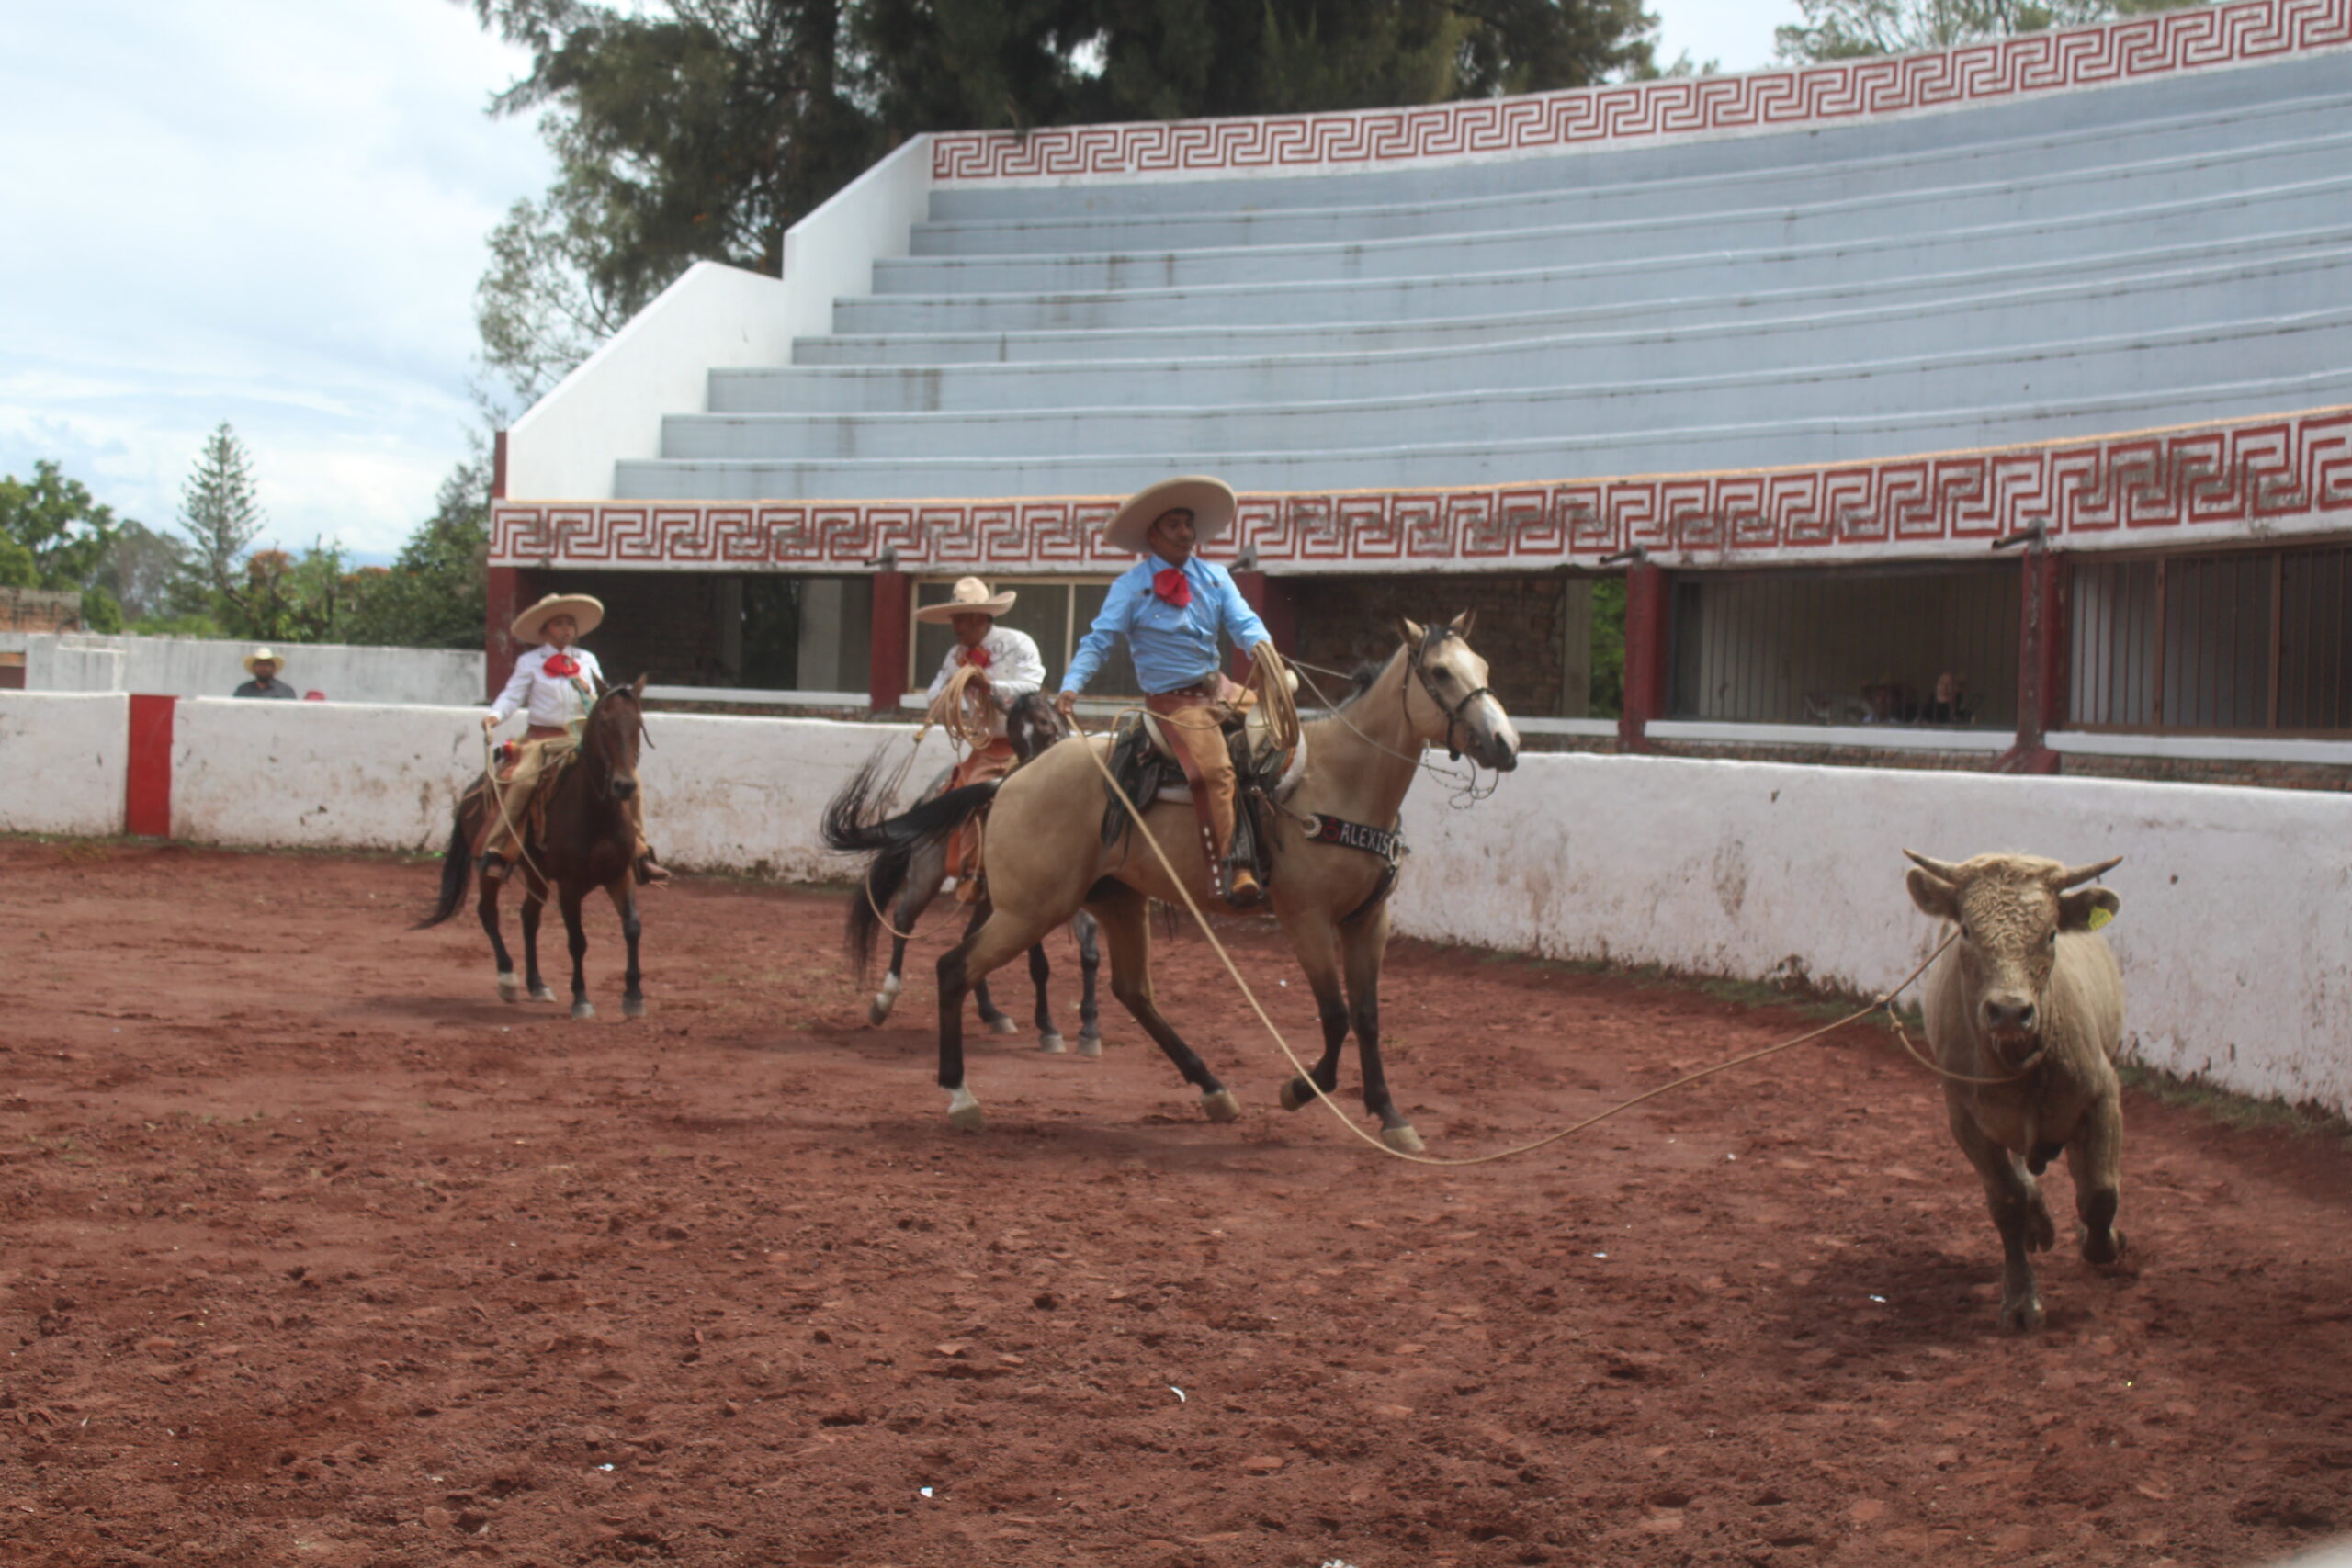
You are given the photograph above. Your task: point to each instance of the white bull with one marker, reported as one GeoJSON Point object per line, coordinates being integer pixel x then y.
{"type": "Point", "coordinates": [2030, 1001]}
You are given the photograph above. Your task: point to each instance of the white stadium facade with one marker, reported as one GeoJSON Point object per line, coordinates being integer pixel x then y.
{"type": "Point", "coordinates": [2023, 369]}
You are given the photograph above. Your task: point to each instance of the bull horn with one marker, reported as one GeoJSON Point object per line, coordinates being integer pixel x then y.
{"type": "Point", "coordinates": [2075, 875]}
{"type": "Point", "coordinates": [1935, 867]}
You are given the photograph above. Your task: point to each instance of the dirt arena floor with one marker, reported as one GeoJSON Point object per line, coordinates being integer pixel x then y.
{"type": "Point", "coordinates": [311, 1251]}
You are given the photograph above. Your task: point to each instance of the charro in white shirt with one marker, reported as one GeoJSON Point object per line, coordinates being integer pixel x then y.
{"type": "Point", "coordinates": [1015, 669]}
{"type": "Point", "coordinates": [551, 700]}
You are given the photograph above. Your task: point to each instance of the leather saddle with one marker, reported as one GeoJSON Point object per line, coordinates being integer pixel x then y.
{"type": "Point", "coordinates": [1142, 761]}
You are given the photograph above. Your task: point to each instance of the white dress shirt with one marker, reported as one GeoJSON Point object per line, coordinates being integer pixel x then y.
{"type": "Point", "coordinates": [552, 702]}
{"type": "Point", "coordinates": [1014, 670]}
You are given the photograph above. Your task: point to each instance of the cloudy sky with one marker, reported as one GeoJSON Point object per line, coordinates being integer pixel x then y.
{"type": "Point", "coordinates": [273, 212]}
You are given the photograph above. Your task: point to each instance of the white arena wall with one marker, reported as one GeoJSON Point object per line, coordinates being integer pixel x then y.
{"type": "Point", "coordinates": [722, 793]}
{"type": "Point", "coordinates": [62, 761]}
{"type": "Point", "coordinates": [2236, 954]}
{"type": "Point", "coordinates": [208, 667]}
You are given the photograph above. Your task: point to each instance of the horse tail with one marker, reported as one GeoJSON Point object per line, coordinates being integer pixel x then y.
{"type": "Point", "coordinates": [456, 867]}
{"type": "Point", "coordinates": [853, 825]}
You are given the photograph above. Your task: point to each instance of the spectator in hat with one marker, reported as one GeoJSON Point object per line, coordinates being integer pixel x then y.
{"type": "Point", "coordinates": [263, 665]}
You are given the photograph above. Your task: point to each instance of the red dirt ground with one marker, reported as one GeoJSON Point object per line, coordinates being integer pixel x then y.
{"type": "Point", "coordinates": [313, 1252]}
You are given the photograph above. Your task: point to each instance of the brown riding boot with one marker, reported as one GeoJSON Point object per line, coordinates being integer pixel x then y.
{"type": "Point", "coordinates": [1242, 890]}
{"type": "Point", "coordinates": [649, 872]}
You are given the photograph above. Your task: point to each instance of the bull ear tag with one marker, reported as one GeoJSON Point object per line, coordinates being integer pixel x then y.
{"type": "Point", "coordinates": [2099, 916]}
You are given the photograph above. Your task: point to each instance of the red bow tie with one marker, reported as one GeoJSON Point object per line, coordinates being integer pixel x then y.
{"type": "Point", "coordinates": [561, 666]}
{"type": "Point", "coordinates": [1170, 584]}
{"type": "Point", "coordinates": [977, 657]}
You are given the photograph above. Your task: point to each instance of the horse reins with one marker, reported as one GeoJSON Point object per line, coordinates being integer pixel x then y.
{"type": "Point", "coordinates": [1465, 791]}
{"type": "Point", "coordinates": [498, 794]}
{"type": "Point", "coordinates": [1429, 640]}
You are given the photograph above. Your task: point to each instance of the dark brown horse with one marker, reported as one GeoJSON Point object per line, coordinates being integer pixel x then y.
{"type": "Point", "coordinates": [587, 842]}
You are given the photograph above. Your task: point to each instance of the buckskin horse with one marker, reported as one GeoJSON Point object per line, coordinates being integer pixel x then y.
{"type": "Point", "coordinates": [1047, 858]}
{"type": "Point", "coordinates": [1032, 725]}
{"type": "Point", "coordinates": [586, 843]}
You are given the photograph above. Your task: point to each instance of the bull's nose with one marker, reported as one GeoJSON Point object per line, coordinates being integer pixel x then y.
{"type": "Point", "coordinates": [2006, 1016]}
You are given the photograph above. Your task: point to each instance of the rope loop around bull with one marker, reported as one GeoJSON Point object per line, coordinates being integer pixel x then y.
{"type": "Point", "coordinates": [1884, 1002]}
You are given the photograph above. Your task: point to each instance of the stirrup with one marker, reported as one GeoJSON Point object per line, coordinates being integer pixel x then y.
{"type": "Point", "coordinates": [495, 865]}
{"type": "Point", "coordinates": [1244, 894]}
{"type": "Point", "coordinates": [649, 873]}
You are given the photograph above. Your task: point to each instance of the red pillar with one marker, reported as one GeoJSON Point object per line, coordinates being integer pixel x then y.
{"type": "Point", "coordinates": [2044, 630]}
{"type": "Point", "coordinates": [892, 639]}
{"type": "Point", "coordinates": [1647, 629]}
{"type": "Point", "coordinates": [506, 600]}
{"type": "Point", "coordinates": [1276, 605]}
{"type": "Point", "coordinates": [147, 786]}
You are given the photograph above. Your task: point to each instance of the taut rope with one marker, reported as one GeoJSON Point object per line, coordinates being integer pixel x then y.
{"type": "Point", "coordinates": [1885, 1001]}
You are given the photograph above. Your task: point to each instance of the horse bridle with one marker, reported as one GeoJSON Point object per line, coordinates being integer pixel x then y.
{"type": "Point", "coordinates": [1452, 713]}
{"type": "Point", "coordinates": [603, 790]}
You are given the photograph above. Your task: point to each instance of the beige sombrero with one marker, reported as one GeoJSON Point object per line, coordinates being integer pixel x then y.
{"type": "Point", "coordinates": [588, 611]}
{"type": "Point", "coordinates": [971, 597]}
{"type": "Point", "coordinates": [1210, 503]}
{"type": "Point", "coordinates": [259, 654]}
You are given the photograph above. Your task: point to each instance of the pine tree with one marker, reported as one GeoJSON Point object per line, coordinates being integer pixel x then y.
{"type": "Point", "coordinates": [219, 509]}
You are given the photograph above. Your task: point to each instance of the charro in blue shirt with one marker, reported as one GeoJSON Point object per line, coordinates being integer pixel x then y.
{"type": "Point", "coordinates": [1171, 648]}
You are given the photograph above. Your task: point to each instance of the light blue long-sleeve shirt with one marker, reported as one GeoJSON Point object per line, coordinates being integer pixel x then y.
{"type": "Point", "coordinates": [1171, 648]}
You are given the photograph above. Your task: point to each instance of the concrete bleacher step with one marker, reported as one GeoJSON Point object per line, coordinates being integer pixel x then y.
{"type": "Point", "coordinates": [1734, 302]}
{"type": "Point", "coordinates": [2075, 196]}
{"type": "Point", "coordinates": [2314, 343]}
{"type": "Point", "coordinates": [2020, 318]}
{"type": "Point", "coordinates": [2264, 134]}
{"type": "Point", "coordinates": [2052, 266]}
{"type": "Point", "coordinates": [2039, 115]}
{"type": "Point", "coordinates": [1872, 430]}
{"type": "Point", "coordinates": [2309, 205]}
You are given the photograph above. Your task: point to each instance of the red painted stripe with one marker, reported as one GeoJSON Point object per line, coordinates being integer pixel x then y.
{"type": "Point", "coordinates": [147, 791]}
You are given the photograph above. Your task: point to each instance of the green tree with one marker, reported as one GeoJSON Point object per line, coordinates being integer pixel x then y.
{"type": "Point", "coordinates": [693, 131]}
{"type": "Point", "coordinates": [148, 574]}
{"type": "Point", "coordinates": [435, 594]}
{"type": "Point", "coordinates": [1608, 647]}
{"type": "Point", "coordinates": [702, 130]}
{"type": "Point", "coordinates": [282, 597]}
{"type": "Point", "coordinates": [54, 536]}
{"type": "Point", "coordinates": [1848, 29]}
{"type": "Point", "coordinates": [220, 510]}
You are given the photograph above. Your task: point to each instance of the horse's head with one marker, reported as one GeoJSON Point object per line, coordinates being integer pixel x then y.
{"type": "Point", "coordinates": [609, 742]}
{"type": "Point", "coordinates": [1032, 723]}
{"type": "Point", "coordinates": [1446, 699]}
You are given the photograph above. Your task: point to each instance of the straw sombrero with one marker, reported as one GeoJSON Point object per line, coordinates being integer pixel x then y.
{"type": "Point", "coordinates": [1210, 503]}
{"type": "Point", "coordinates": [588, 611]}
{"type": "Point", "coordinates": [971, 597]}
{"type": "Point", "coordinates": [259, 654]}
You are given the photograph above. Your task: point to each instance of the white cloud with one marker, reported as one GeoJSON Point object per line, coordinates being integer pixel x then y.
{"type": "Point", "coordinates": [267, 211]}
{"type": "Point", "coordinates": [1736, 33]}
